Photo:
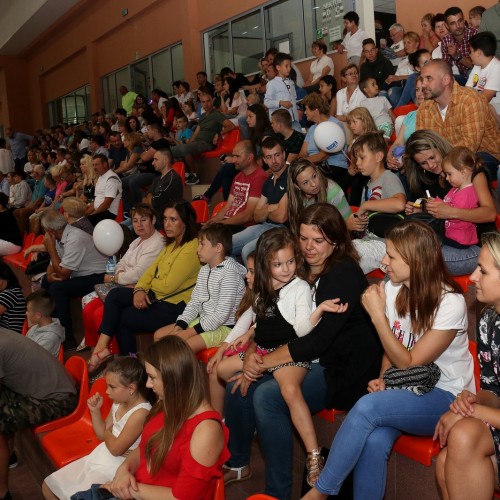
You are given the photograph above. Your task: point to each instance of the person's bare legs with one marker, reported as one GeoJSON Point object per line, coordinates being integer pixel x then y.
{"type": "Point", "coordinates": [196, 343]}
{"type": "Point", "coordinates": [217, 388]}
{"type": "Point", "coordinates": [163, 332]}
{"type": "Point", "coordinates": [47, 492]}
{"type": "Point", "coordinates": [100, 353]}
{"type": "Point", "coordinates": [470, 469]}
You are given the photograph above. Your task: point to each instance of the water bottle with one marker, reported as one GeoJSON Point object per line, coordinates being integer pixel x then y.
{"type": "Point", "coordinates": [111, 266]}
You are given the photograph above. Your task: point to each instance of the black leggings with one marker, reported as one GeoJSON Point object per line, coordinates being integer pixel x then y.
{"type": "Point", "coordinates": [123, 320]}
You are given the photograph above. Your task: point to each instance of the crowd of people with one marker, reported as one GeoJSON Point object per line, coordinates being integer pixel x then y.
{"type": "Point", "coordinates": [298, 329]}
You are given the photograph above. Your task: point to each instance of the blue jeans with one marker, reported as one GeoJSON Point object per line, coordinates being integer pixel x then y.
{"type": "Point", "coordinates": [460, 261]}
{"type": "Point", "coordinates": [409, 93]}
{"type": "Point", "coordinates": [265, 409]}
{"type": "Point", "coordinates": [132, 188]}
{"type": "Point", "coordinates": [245, 241]}
{"type": "Point", "coordinates": [365, 440]}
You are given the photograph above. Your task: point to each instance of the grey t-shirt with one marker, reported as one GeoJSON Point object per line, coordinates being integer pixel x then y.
{"type": "Point", "coordinates": [28, 369]}
{"type": "Point", "coordinates": [386, 186]}
{"type": "Point", "coordinates": [210, 124]}
{"type": "Point", "coordinates": [79, 254]}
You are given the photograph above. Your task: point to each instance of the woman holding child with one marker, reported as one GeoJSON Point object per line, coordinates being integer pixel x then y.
{"type": "Point", "coordinates": [421, 319]}
{"type": "Point", "coordinates": [346, 344]}
{"type": "Point", "coordinates": [423, 168]}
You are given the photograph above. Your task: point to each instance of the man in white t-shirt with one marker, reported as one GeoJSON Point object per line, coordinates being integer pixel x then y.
{"type": "Point", "coordinates": [397, 33]}
{"type": "Point", "coordinates": [485, 75]}
{"type": "Point", "coordinates": [108, 192]}
{"type": "Point", "coordinates": [353, 41]}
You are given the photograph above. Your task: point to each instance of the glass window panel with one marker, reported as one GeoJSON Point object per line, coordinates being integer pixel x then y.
{"type": "Point", "coordinates": [162, 74]}
{"type": "Point", "coordinates": [177, 64]}
{"type": "Point", "coordinates": [247, 33]}
{"type": "Point", "coordinates": [141, 78]}
{"type": "Point", "coordinates": [220, 50]}
{"type": "Point", "coordinates": [284, 28]}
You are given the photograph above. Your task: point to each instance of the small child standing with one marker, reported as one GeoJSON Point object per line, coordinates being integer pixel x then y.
{"type": "Point", "coordinates": [280, 91]}
{"type": "Point", "coordinates": [282, 305]}
{"type": "Point", "coordinates": [120, 432]}
{"type": "Point", "coordinates": [383, 194]}
{"type": "Point", "coordinates": [379, 107]}
{"type": "Point", "coordinates": [44, 329]}
{"type": "Point", "coordinates": [460, 166]}
{"type": "Point", "coordinates": [209, 315]}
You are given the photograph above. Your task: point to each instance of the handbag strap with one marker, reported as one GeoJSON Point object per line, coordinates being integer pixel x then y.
{"type": "Point", "coordinates": [165, 297]}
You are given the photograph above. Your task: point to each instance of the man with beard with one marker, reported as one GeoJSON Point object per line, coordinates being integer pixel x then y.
{"type": "Point", "coordinates": [460, 114]}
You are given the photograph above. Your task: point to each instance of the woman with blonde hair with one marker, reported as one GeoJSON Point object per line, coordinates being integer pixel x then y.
{"type": "Point", "coordinates": [86, 188]}
{"type": "Point", "coordinates": [420, 316]}
{"type": "Point", "coordinates": [469, 432]}
{"type": "Point", "coordinates": [184, 442]}
{"type": "Point", "coordinates": [306, 185]}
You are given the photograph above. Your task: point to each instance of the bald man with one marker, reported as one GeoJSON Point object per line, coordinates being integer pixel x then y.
{"type": "Point", "coordinates": [460, 114]}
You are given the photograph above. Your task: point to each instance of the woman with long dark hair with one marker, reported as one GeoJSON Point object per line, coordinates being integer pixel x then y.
{"type": "Point", "coordinates": [421, 319]}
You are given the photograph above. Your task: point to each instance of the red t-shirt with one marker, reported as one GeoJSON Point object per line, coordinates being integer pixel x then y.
{"type": "Point", "coordinates": [180, 471]}
{"type": "Point", "coordinates": [243, 188]}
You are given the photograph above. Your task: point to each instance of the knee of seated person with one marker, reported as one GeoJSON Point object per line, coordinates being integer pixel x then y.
{"type": "Point", "coordinates": [290, 392]}
{"type": "Point", "coordinates": [464, 436]}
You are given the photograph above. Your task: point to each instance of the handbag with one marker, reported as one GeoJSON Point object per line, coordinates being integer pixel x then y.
{"type": "Point", "coordinates": [39, 265]}
{"type": "Point", "coordinates": [417, 379]}
{"type": "Point", "coordinates": [379, 222]}
{"type": "Point", "coordinates": [102, 289]}
{"type": "Point", "coordinates": [436, 224]}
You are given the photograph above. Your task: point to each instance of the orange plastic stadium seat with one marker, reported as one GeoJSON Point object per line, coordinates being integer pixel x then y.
{"type": "Point", "coordinates": [329, 415]}
{"type": "Point", "coordinates": [201, 209]}
{"type": "Point", "coordinates": [180, 168]}
{"type": "Point", "coordinates": [261, 496]}
{"type": "Point", "coordinates": [422, 448]}
{"type": "Point", "coordinates": [225, 145]}
{"type": "Point", "coordinates": [497, 222]}
{"type": "Point", "coordinates": [71, 442]}
{"type": "Point", "coordinates": [218, 208]}
{"type": "Point", "coordinates": [119, 215]}
{"type": "Point", "coordinates": [219, 493]}
{"type": "Point", "coordinates": [462, 281]}
{"type": "Point", "coordinates": [17, 259]}
{"type": "Point", "coordinates": [206, 354]}
{"type": "Point", "coordinates": [77, 368]}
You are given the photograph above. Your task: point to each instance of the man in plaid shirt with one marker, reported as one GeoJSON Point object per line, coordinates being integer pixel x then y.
{"type": "Point", "coordinates": [455, 46]}
{"type": "Point", "coordinates": [459, 114]}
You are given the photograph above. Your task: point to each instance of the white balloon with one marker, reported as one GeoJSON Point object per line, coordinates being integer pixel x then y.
{"type": "Point", "coordinates": [329, 137]}
{"type": "Point", "coordinates": [108, 237]}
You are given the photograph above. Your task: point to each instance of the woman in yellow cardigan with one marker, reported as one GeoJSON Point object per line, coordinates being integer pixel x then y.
{"type": "Point", "coordinates": [161, 293]}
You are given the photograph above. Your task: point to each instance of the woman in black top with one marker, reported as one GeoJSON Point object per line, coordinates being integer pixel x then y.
{"type": "Point", "coordinates": [346, 344]}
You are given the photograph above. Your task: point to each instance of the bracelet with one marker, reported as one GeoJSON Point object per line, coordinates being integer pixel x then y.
{"type": "Point", "coordinates": [113, 278]}
{"type": "Point", "coordinates": [138, 290]}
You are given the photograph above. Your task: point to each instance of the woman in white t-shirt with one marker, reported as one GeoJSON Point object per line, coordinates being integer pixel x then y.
{"type": "Point", "coordinates": [421, 319]}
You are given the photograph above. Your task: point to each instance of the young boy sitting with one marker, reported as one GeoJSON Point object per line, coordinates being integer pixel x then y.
{"type": "Point", "coordinates": [184, 133]}
{"type": "Point", "coordinates": [379, 107]}
{"type": "Point", "coordinates": [45, 330]}
{"type": "Point", "coordinates": [485, 75]}
{"type": "Point", "coordinates": [384, 193]}
{"type": "Point", "coordinates": [292, 141]}
{"type": "Point", "coordinates": [209, 315]}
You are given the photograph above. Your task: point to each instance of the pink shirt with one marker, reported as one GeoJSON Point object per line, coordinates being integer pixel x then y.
{"type": "Point", "coordinates": [458, 230]}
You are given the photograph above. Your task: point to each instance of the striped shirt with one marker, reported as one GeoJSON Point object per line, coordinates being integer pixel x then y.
{"type": "Point", "coordinates": [12, 299]}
